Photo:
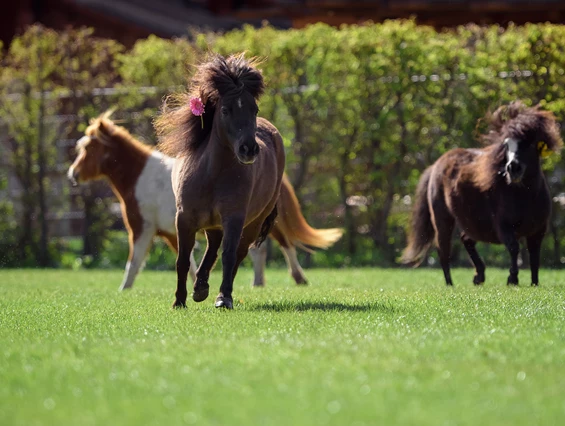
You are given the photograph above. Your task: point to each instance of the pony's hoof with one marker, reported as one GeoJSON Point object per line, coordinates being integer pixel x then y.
{"type": "Point", "coordinates": [260, 285]}
{"type": "Point", "coordinates": [179, 305]}
{"type": "Point", "coordinates": [478, 280]}
{"type": "Point", "coordinates": [200, 294]}
{"type": "Point", "coordinates": [512, 282]}
{"type": "Point", "coordinates": [224, 302]}
{"type": "Point", "coordinates": [535, 284]}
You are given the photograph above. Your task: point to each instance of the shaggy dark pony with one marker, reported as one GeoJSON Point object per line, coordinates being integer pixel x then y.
{"type": "Point", "coordinates": [228, 177]}
{"type": "Point", "coordinates": [496, 194]}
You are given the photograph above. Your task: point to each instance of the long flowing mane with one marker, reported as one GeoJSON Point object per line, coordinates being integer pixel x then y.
{"type": "Point", "coordinates": [520, 122]}
{"type": "Point", "coordinates": [180, 131]}
{"type": "Point", "coordinates": [516, 121]}
{"type": "Point", "coordinates": [110, 134]}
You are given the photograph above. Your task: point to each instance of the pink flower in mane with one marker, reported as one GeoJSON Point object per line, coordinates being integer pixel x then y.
{"type": "Point", "coordinates": [196, 106]}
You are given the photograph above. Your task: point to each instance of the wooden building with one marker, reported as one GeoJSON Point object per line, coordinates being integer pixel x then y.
{"type": "Point", "coordinates": [129, 20]}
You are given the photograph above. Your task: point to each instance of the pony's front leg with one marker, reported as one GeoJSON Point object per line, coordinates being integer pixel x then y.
{"type": "Point", "coordinates": [534, 248]}
{"type": "Point", "coordinates": [233, 228]}
{"type": "Point", "coordinates": [201, 286]}
{"type": "Point", "coordinates": [511, 242]}
{"type": "Point", "coordinates": [186, 235]}
{"type": "Point", "coordinates": [139, 245]}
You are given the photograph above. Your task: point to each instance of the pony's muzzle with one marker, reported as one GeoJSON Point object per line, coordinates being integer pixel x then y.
{"type": "Point", "coordinates": [247, 153]}
{"type": "Point", "coordinates": [515, 171]}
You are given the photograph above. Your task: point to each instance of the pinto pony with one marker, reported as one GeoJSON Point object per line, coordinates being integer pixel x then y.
{"type": "Point", "coordinates": [141, 179]}
{"type": "Point", "coordinates": [496, 194]}
{"type": "Point", "coordinates": [228, 177]}
{"type": "Point", "coordinates": [147, 201]}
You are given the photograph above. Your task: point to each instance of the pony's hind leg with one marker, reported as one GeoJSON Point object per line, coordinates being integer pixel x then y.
{"type": "Point", "coordinates": [292, 262]}
{"type": "Point", "coordinates": [443, 224]}
{"type": "Point", "coordinates": [444, 250]}
{"type": "Point", "coordinates": [470, 246]}
{"type": "Point", "coordinates": [139, 245]}
{"type": "Point", "coordinates": [534, 248]}
{"type": "Point", "coordinates": [259, 258]}
{"type": "Point", "coordinates": [186, 237]}
{"type": "Point", "coordinates": [201, 286]}
{"type": "Point", "coordinates": [289, 252]}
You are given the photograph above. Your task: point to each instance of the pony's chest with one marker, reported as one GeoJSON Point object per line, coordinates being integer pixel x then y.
{"type": "Point", "coordinates": [525, 211]}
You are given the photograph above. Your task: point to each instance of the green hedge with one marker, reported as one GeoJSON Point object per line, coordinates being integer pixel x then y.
{"type": "Point", "coordinates": [363, 109]}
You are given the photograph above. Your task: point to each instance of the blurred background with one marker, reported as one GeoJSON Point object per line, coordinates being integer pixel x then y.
{"type": "Point", "coordinates": [366, 94]}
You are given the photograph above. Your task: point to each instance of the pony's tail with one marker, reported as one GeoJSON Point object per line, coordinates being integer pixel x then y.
{"type": "Point", "coordinates": [422, 232]}
{"type": "Point", "coordinates": [293, 226]}
{"type": "Point", "coordinates": [267, 227]}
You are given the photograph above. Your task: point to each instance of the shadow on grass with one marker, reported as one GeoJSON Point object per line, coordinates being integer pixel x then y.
{"type": "Point", "coordinates": [288, 306]}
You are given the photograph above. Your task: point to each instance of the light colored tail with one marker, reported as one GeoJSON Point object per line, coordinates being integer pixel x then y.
{"type": "Point", "coordinates": [294, 228]}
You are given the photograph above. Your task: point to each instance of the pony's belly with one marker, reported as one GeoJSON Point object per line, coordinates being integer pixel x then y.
{"type": "Point", "coordinates": [477, 223]}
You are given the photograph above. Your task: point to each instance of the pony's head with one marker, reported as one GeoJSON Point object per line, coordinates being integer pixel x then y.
{"type": "Point", "coordinates": [94, 150]}
{"type": "Point", "coordinates": [229, 89]}
{"type": "Point", "coordinates": [525, 134]}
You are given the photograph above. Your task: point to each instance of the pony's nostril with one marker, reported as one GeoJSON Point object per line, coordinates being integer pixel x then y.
{"type": "Point", "coordinates": [255, 150]}
{"type": "Point", "coordinates": [243, 149]}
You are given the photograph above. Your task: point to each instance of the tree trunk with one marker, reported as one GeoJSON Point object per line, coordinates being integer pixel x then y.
{"type": "Point", "coordinates": [26, 243]}
{"type": "Point", "coordinates": [380, 219]}
{"type": "Point", "coordinates": [87, 243]}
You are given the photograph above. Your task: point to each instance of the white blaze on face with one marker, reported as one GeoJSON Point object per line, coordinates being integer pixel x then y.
{"type": "Point", "coordinates": [512, 148]}
{"type": "Point", "coordinates": [239, 104]}
{"type": "Point", "coordinates": [79, 147]}
{"type": "Point", "coordinates": [82, 142]}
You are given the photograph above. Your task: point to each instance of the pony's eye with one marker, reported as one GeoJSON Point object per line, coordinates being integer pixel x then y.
{"type": "Point", "coordinates": [224, 110]}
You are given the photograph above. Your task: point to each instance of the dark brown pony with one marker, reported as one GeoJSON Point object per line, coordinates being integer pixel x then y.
{"type": "Point", "coordinates": [496, 194]}
{"type": "Point", "coordinates": [228, 178]}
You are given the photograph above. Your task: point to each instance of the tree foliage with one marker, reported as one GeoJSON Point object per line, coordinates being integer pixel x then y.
{"type": "Point", "coordinates": [363, 109]}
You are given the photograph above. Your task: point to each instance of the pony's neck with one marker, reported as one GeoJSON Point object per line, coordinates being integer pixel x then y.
{"type": "Point", "coordinates": [220, 153]}
{"type": "Point", "coordinates": [533, 174]}
{"type": "Point", "coordinates": [125, 165]}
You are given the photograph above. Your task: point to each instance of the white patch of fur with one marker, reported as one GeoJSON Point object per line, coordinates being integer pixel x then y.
{"type": "Point", "coordinates": [259, 258]}
{"type": "Point", "coordinates": [82, 142]}
{"type": "Point", "coordinates": [71, 173]}
{"type": "Point", "coordinates": [239, 104]}
{"type": "Point", "coordinates": [154, 193]}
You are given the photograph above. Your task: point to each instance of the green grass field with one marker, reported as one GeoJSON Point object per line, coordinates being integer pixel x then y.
{"type": "Point", "coordinates": [356, 347]}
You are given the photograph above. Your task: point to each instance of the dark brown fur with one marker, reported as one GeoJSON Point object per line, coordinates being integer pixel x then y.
{"type": "Point", "coordinates": [228, 178]}
{"type": "Point", "coordinates": [472, 188]}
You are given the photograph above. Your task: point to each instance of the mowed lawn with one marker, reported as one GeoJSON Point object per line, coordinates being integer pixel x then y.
{"type": "Point", "coordinates": [355, 347]}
